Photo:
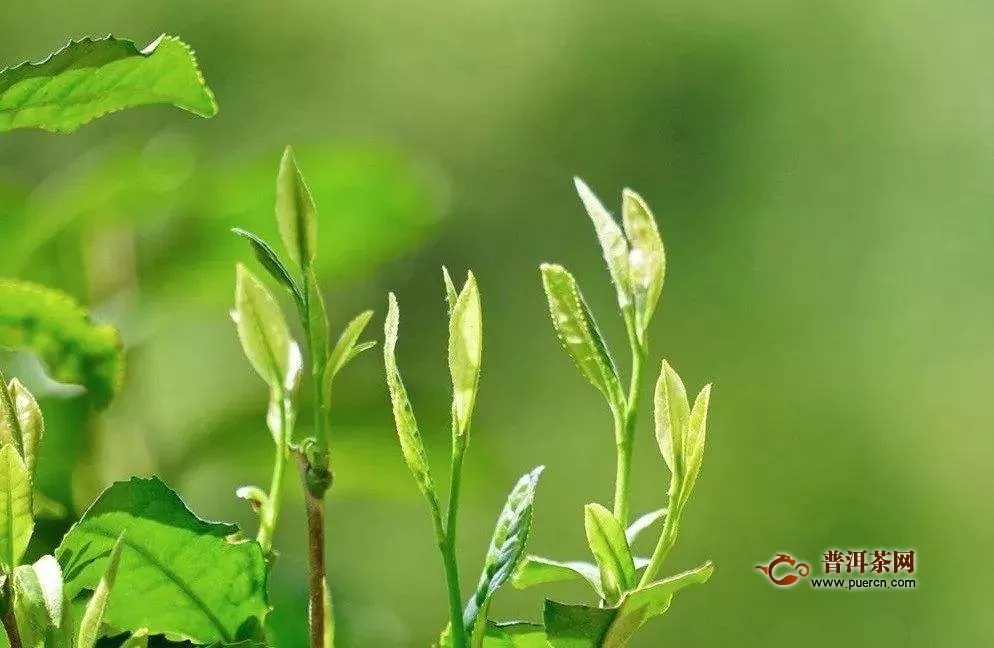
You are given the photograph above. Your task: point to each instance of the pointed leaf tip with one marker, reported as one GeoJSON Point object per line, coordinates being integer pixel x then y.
{"type": "Point", "coordinates": [296, 212]}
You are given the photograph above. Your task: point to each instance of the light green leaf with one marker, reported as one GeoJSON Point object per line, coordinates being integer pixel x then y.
{"type": "Point", "coordinates": [45, 507]}
{"type": "Point", "coordinates": [37, 600]}
{"type": "Point", "coordinates": [507, 546]}
{"type": "Point", "coordinates": [451, 294]}
{"type": "Point", "coordinates": [96, 609]}
{"type": "Point", "coordinates": [403, 414]}
{"type": "Point", "coordinates": [612, 240]}
{"type": "Point", "coordinates": [607, 542]}
{"type": "Point", "coordinates": [642, 523]}
{"type": "Point", "coordinates": [536, 570]}
{"type": "Point", "coordinates": [295, 212]}
{"type": "Point", "coordinates": [672, 412]}
{"type": "Point", "coordinates": [137, 640]}
{"type": "Point", "coordinates": [75, 349]}
{"type": "Point", "coordinates": [647, 260]}
{"type": "Point", "coordinates": [515, 634]}
{"type": "Point", "coordinates": [89, 78]}
{"type": "Point", "coordinates": [582, 626]}
{"type": "Point", "coordinates": [465, 352]}
{"type": "Point", "coordinates": [578, 333]}
{"type": "Point", "coordinates": [262, 330]}
{"type": "Point", "coordinates": [197, 579]}
{"type": "Point", "coordinates": [30, 423]}
{"type": "Point", "coordinates": [346, 349]}
{"type": "Point", "coordinates": [694, 440]}
{"type": "Point", "coordinates": [16, 521]}
{"type": "Point", "coordinates": [267, 256]}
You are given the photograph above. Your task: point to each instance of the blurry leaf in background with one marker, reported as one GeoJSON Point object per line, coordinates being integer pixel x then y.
{"type": "Point", "coordinates": [74, 348]}
{"type": "Point", "coordinates": [89, 78]}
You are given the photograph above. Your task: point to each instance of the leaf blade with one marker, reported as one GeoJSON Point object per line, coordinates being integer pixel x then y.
{"type": "Point", "coordinates": [671, 413]}
{"type": "Point", "coordinates": [537, 570]}
{"type": "Point", "coordinates": [607, 542]}
{"type": "Point", "coordinates": [647, 260]}
{"type": "Point", "coordinates": [296, 213]}
{"type": "Point", "coordinates": [262, 329]}
{"type": "Point", "coordinates": [614, 246]}
{"type": "Point", "coordinates": [96, 609]}
{"type": "Point", "coordinates": [16, 519]}
{"type": "Point", "coordinates": [269, 260]}
{"type": "Point", "coordinates": [465, 352]}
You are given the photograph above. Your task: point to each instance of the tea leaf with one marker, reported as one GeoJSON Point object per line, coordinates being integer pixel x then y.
{"type": "Point", "coordinates": [137, 640]}
{"type": "Point", "coordinates": [576, 626]}
{"type": "Point", "coordinates": [37, 600]}
{"type": "Point", "coordinates": [262, 329]}
{"type": "Point", "coordinates": [74, 348]}
{"type": "Point", "coordinates": [578, 333]}
{"type": "Point", "coordinates": [672, 412]}
{"type": "Point", "coordinates": [403, 414]}
{"type": "Point", "coordinates": [536, 570]}
{"type": "Point", "coordinates": [647, 259]}
{"type": "Point", "coordinates": [16, 521]}
{"type": "Point", "coordinates": [267, 256]}
{"type": "Point", "coordinates": [346, 348]}
{"type": "Point", "coordinates": [451, 295]}
{"type": "Point", "coordinates": [96, 609]}
{"type": "Point", "coordinates": [694, 440]}
{"type": "Point", "coordinates": [607, 542]}
{"type": "Point", "coordinates": [465, 352]}
{"type": "Point", "coordinates": [507, 546]}
{"type": "Point", "coordinates": [30, 422]}
{"type": "Point", "coordinates": [196, 579]}
{"type": "Point", "coordinates": [89, 78]}
{"type": "Point", "coordinates": [295, 212]}
{"type": "Point", "coordinates": [643, 523]}
{"type": "Point", "coordinates": [612, 241]}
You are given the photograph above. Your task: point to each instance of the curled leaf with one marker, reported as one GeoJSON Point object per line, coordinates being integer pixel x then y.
{"type": "Point", "coordinates": [89, 78]}
{"type": "Point", "coordinates": [267, 256]}
{"type": "Point", "coordinates": [465, 352]}
{"type": "Point", "coordinates": [647, 259]}
{"type": "Point", "coordinates": [74, 348]}
{"type": "Point", "coordinates": [694, 440]}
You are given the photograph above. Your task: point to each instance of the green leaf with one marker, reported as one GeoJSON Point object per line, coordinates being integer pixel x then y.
{"type": "Point", "coordinates": [45, 507]}
{"type": "Point", "coordinates": [403, 414]}
{"type": "Point", "coordinates": [647, 260]}
{"type": "Point", "coordinates": [317, 320]}
{"type": "Point", "coordinates": [536, 570]}
{"type": "Point", "coordinates": [578, 333]}
{"type": "Point", "coordinates": [267, 256]}
{"type": "Point", "coordinates": [262, 330]}
{"type": "Point", "coordinates": [89, 78]}
{"type": "Point", "coordinates": [694, 441]}
{"type": "Point", "coordinates": [96, 609]}
{"type": "Point", "coordinates": [197, 579]}
{"type": "Point", "coordinates": [37, 600]}
{"type": "Point", "coordinates": [137, 640]}
{"type": "Point", "coordinates": [606, 538]}
{"type": "Point", "coordinates": [642, 523]}
{"type": "Point", "coordinates": [672, 412]}
{"type": "Point", "coordinates": [16, 521]}
{"type": "Point", "coordinates": [295, 212]}
{"type": "Point", "coordinates": [53, 325]}
{"type": "Point", "coordinates": [582, 626]}
{"type": "Point", "coordinates": [451, 294]}
{"type": "Point", "coordinates": [507, 545]}
{"type": "Point", "coordinates": [31, 424]}
{"type": "Point", "coordinates": [465, 352]}
{"type": "Point", "coordinates": [612, 240]}
{"type": "Point", "coordinates": [514, 634]}
{"type": "Point", "coordinates": [346, 349]}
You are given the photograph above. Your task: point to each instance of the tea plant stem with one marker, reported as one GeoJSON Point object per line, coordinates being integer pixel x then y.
{"type": "Point", "coordinates": [267, 521]}
{"type": "Point", "coordinates": [666, 540]}
{"type": "Point", "coordinates": [448, 542]}
{"type": "Point", "coordinates": [8, 618]}
{"type": "Point", "coordinates": [624, 425]}
{"type": "Point", "coordinates": [315, 554]}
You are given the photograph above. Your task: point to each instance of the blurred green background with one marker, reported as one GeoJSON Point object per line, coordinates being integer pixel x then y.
{"type": "Point", "coordinates": [821, 173]}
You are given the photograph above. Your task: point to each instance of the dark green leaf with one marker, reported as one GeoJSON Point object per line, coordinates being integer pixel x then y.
{"type": "Point", "coordinates": [54, 326]}
{"type": "Point", "coordinates": [267, 256]}
{"type": "Point", "coordinates": [196, 579]}
{"type": "Point", "coordinates": [88, 79]}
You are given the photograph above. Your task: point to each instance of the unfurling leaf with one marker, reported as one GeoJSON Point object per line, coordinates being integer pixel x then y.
{"type": "Point", "coordinates": [267, 256]}
{"type": "Point", "coordinates": [295, 212]}
{"type": "Point", "coordinates": [96, 609]}
{"type": "Point", "coordinates": [89, 78]}
{"type": "Point", "coordinates": [647, 259]}
{"type": "Point", "coordinates": [16, 520]}
{"type": "Point", "coordinates": [643, 523]}
{"type": "Point", "coordinates": [255, 496]}
{"type": "Point", "coordinates": [75, 349]}
{"type": "Point", "coordinates": [507, 546]}
{"type": "Point", "coordinates": [694, 441]}
{"type": "Point", "coordinates": [672, 412]}
{"type": "Point", "coordinates": [30, 422]}
{"type": "Point", "coordinates": [262, 330]}
{"type": "Point", "coordinates": [578, 333]}
{"type": "Point", "coordinates": [465, 352]}
{"type": "Point", "coordinates": [536, 570]}
{"type": "Point", "coordinates": [607, 542]}
{"type": "Point", "coordinates": [196, 579]}
{"type": "Point", "coordinates": [612, 240]}
{"type": "Point", "coordinates": [403, 414]}
{"type": "Point", "coordinates": [38, 600]}
{"type": "Point", "coordinates": [347, 348]}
